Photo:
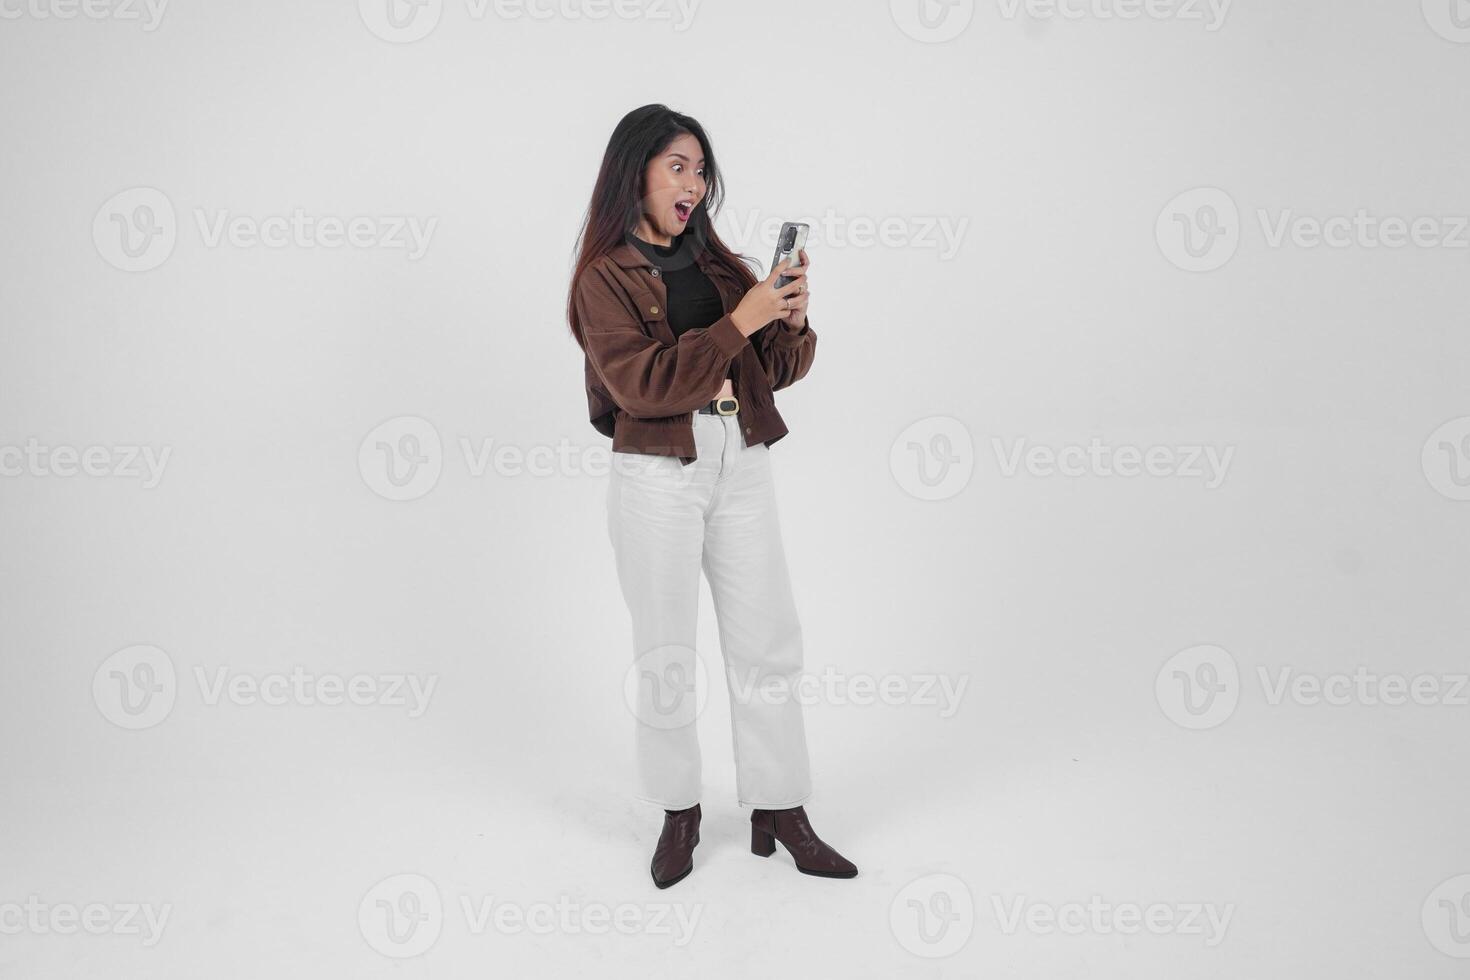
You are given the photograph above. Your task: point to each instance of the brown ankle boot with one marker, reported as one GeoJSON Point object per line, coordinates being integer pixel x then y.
{"type": "Point", "coordinates": [794, 831]}
{"type": "Point", "coordinates": [673, 858]}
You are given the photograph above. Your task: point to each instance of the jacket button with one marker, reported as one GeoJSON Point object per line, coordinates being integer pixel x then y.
{"type": "Point", "coordinates": [747, 430]}
{"type": "Point", "coordinates": [653, 310]}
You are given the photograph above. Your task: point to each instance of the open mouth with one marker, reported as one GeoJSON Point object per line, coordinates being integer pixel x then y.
{"type": "Point", "coordinates": [683, 209]}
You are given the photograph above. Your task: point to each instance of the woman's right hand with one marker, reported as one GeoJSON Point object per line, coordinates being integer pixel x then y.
{"type": "Point", "coordinates": [764, 302]}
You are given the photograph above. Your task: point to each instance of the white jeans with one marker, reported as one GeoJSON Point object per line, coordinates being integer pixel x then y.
{"type": "Point", "coordinates": [666, 521]}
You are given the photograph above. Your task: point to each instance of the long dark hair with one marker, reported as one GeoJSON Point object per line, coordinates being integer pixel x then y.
{"type": "Point", "coordinates": [617, 197]}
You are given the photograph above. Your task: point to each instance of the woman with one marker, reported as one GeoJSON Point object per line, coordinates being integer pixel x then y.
{"type": "Point", "coordinates": [683, 349]}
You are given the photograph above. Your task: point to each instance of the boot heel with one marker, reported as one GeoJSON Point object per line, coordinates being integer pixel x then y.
{"type": "Point", "coordinates": [762, 844]}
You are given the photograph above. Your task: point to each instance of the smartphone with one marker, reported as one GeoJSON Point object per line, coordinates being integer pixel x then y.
{"type": "Point", "coordinates": [790, 244]}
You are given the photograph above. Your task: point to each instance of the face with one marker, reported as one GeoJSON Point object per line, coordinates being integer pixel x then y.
{"type": "Point", "coordinates": [673, 186]}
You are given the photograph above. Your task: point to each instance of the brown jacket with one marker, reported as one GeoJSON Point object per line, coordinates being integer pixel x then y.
{"type": "Point", "coordinates": [643, 385]}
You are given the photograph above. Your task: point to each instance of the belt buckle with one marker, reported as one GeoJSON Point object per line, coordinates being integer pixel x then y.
{"type": "Point", "coordinates": [727, 406]}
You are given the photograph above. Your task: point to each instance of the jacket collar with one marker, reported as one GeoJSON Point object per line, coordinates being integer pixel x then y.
{"type": "Point", "coordinates": [627, 257]}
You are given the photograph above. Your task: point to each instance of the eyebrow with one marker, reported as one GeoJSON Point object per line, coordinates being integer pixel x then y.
{"type": "Point", "coordinates": [684, 158]}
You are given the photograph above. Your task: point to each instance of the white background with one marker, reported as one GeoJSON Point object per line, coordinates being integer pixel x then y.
{"type": "Point", "coordinates": [1333, 542]}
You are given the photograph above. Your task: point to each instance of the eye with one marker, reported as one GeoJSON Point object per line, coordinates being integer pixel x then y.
{"type": "Point", "coordinates": [678, 167]}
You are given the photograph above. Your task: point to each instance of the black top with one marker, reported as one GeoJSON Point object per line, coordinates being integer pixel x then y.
{"type": "Point", "coordinates": [693, 301]}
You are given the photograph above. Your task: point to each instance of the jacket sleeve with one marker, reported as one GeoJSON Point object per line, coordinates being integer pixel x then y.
{"type": "Point", "coordinates": [786, 351]}
{"type": "Point", "coordinates": [646, 378]}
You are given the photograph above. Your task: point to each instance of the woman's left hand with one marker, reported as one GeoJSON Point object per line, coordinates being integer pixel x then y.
{"type": "Point", "coordinates": [796, 316]}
